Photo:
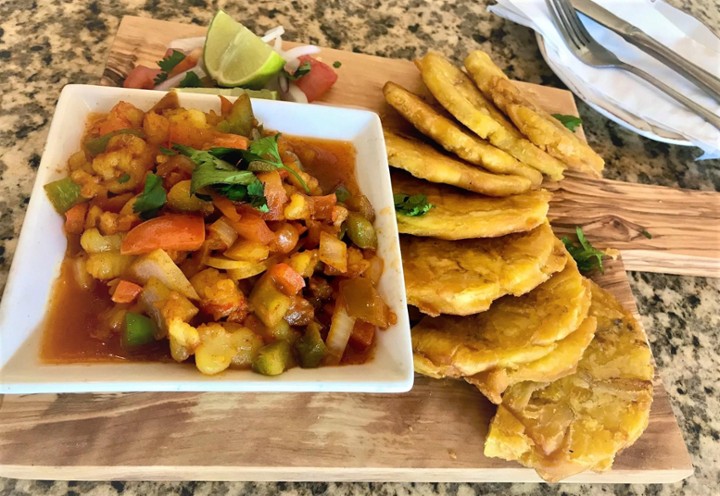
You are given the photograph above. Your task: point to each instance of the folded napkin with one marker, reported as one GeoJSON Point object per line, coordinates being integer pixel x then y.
{"type": "Point", "coordinates": [620, 95]}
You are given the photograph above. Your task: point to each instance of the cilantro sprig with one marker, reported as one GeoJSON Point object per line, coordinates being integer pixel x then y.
{"type": "Point", "coordinates": [167, 64]}
{"type": "Point", "coordinates": [190, 80]}
{"type": "Point", "coordinates": [569, 121]}
{"type": "Point", "coordinates": [587, 257]}
{"type": "Point", "coordinates": [411, 205]}
{"type": "Point", "coordinates": [152, 199]}
{"type": "Point", "coordinates": [263, 155]}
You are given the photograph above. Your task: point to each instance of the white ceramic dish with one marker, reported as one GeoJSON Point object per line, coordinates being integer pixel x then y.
{"type": "Point", "coordinates": [42, 245]}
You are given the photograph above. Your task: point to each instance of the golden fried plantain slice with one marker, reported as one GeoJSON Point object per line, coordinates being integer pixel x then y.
{"type": "Point", "coordinates": [458, 214]}
{"type": "Point", "coordinates": [465, 277]}
{"type": "Point", "coordinates": [583, 420]}
{"type": "Point", "coordinates": [539, 126]}
{"type": "Point", "coordinates": [425, 162]}
{"type": "Point", "coordinates": [458, 95]}
{"type": "Point", "coordinates": [450, 136]}
{"type": "Point", "coordinates": [506, 334]}
{"type": "Point", "coordinates": [558, 363]}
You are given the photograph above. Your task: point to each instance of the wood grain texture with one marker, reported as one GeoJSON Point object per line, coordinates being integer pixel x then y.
{"type": "Point", "coordinates": [433, 433]}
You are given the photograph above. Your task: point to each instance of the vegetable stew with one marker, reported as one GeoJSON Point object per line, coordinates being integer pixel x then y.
{"type": "Point", "coordinates": [202, 237]}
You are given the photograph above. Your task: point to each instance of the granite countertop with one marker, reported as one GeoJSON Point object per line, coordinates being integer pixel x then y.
{"type": "Point", "coordinates": [46, 45]}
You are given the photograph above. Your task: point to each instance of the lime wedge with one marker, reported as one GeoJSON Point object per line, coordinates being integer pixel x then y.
{"type": "Point", "coordinates": [234, 56]}
{"type": "Point", "coordinates": [264, 94]}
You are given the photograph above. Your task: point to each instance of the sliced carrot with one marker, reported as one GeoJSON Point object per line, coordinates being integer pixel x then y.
{"type": "Point", "coordinates": [251, 226]}
{"type": "Point", "coordinates": [228, 208]}
{"type": "Point", "coordinates": [168, 232]}
{"type": "Point", "coordinates": [126, 292]}
{"type": "Point", "coordinates": [287, 279]}
{"type": "Point", "coordinates": [75, 218]}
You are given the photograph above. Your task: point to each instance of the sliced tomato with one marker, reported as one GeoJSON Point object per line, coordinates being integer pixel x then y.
{"type": "Point", "coordinates": [318, 81]}
{"type": "Point", "coordinates": [141, 77]}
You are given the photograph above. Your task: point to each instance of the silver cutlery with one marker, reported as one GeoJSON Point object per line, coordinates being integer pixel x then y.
{"type": "Point", "coordinates": [637, 37]}
{"type": "Point", "coordinates": [590, 52]}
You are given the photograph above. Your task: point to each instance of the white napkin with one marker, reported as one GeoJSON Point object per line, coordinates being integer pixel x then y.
{"type": "Point", "coordinates": [614, 91]}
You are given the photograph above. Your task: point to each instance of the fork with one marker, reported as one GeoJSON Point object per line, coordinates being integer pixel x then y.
{"type": "Point", "coordinates": [592, 53]}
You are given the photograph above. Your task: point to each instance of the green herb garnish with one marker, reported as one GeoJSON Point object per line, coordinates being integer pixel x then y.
{"type": "Point", "coordinates": [337, 64]}
{"type": "Point", "coordinates": [411, 205]}
{"type": "Point", "coordinates": [124, 178]}
{"type": "Point", "coordinates": [587, 257]}
{"type": "Point", "coordinates": [263, 152]}
{"type": "Point", "coordinates": [152, 198]}
{"type": "Point", "coordinates": [98, 145]}
{"type": "Point", "coordinates": [190, 80]}
{"type": "Point", "coordinates": [301, 71]}
{"type": "Point", "coordinates": [569, 121]}
{"type": "Point", "coordinates": [224, 177]}
{"type": "Point", "coordinates": [167, 64]}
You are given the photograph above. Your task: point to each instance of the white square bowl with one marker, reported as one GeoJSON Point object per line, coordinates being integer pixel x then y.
{"type": "Point", "coordinates": [42, 244]}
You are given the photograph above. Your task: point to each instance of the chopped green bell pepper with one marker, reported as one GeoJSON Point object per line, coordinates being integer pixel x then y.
{"type": "Point", "coordinates": [63, 194]}
{"type": "Point", "coordinates": [139, 330]}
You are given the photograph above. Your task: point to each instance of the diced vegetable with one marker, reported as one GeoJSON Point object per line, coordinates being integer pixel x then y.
{"type": "Point", "coordinates": [108, 265]}
{"type": "Point", "coordinates": [273, 359]}
{"type": "Point", "coordinates": [141, 77]}
{"type": "Point", "coordinates": [311, 348]}
{"type": "Point", "coordinates": [165, 306]}
{"type": "Point", "coordinates": [75, 218]}
{"type": "Point", "coordinates": [63, 194]}
{"type": "Point", "coordinates": [126, 292]}
{"type": "Point", "coordinates": [223, 232]}
{"type": "Point", "coordinates": [240, 120]}
{"type": "Point", "coordinates": [341, 327]}
{"type": "Point", "coordinates": [333, 252]}
{"type": "Point", "coordinates": [304, 262]}
{"type": "Point", "coordinates": [159, 265]}
{"type": "Point", "coordinates": [80, 274]}
{"type": "Point", "coordinates": [94, 242]}
{"type": "Point", "coordinates": [361, 231]}
{"type": "Point", "coordinates": [364, 302]}
{"type": "Point", "coordinates": [180, 198]}
{"type": "Point", "coordinates": [268, 302]}
{"type": "Point", "coordinates": [247, 270]}
{"type": "Point", "coordinates": [139, 330]}
{"type": "Point", "coordinates": [286, 238]}
{"type": "Point", "coordinates": [250, 251]}
{"type": "Point", "coordinates": [363, 335]}
{"type": "Point", "coordinates": [228, 263]}
{"type": "Point", "coordinates": [298, 208]}
{"type": "Point", "coordinates": [184, 339]}
{"type": "Point", "coordinates": [318, 81]}
{"type": "Point", "coordinates": [252, 227]}
{"type": "Point", "coordinates": [286, 279]}
{"type": "Point", "coordinates": [96, 146]}
{"type": "Point", "coordinates": [168, 232]}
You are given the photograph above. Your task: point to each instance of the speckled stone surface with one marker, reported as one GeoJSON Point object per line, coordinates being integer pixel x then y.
{"type": "Point", "coordinates": [45, 44]}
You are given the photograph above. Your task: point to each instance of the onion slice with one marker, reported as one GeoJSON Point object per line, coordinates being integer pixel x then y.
{"type": "Point", "coordinates": [175, 80]}
{"type": "Point", "coordinates": [187, 44]}
{"type": "Point", "coordinates": [295, 94]}
{"type": "Point", "coordinates": [291, 56]}
{"type": "Point", "coordinates": [338, 336]}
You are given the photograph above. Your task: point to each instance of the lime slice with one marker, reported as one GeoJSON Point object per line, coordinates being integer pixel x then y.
{"type": "Point", "coordinates": [234, 56]}
{"type": "Point", "coordinates": [264, 94]}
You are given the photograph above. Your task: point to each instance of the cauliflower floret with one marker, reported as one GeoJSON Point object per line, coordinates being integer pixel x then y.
{"type": "Point", "coordinates": [220, 295]}
{"type": "Point", "coordinates": [225, 345]}
{"type": "Point", "coordinates": [123, 165]}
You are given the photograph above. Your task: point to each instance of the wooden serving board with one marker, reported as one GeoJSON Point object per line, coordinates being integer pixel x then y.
{"type": "Point", "coordinates": [433, 433]}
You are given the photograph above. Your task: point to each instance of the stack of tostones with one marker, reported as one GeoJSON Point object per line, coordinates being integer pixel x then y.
{"type": "Point", "coordinates": [506, 308]}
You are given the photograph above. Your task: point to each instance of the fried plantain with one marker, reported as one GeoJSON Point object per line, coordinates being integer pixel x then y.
{"type": "Point", "coordinates": [450, 136]}
{"type": "Point", "coordinates": [583, 420]}
{"type": "Point", "coordinates": [539, 126]}
{"type": "Point", "coordinates": [558, 363]}
{"type": "Point", "coordinates": [513, 330]}
{"type": "Point", "coordinates": [458, 214]}
{"type": "Point", "coordinates": [425, 162]}
{"type": "Point", "coordinates": [465, 277]}
{"type": "Point", "coordinates": [458, 95]}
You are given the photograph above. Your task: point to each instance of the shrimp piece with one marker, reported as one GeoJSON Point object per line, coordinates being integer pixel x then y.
{"type": "Point", "coordinates": [220, 296]}
{"type": "Point", "coordinates": [122, 116]}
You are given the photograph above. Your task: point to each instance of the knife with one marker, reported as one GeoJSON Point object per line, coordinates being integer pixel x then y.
{"type": "Point", "coordinates": [638, 38]}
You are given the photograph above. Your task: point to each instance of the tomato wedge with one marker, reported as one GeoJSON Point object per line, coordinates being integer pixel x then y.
{"type": "Point", "coordinates": [141, 77]}
{"type": "Point", "coordinates": [318, 81]}
{"type": "Point", "coordinates": [167, 232]}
